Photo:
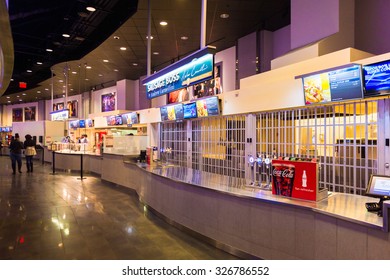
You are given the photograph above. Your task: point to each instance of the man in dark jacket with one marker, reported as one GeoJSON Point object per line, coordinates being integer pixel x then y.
{"type": "Point", "coordinates": [16, 148]}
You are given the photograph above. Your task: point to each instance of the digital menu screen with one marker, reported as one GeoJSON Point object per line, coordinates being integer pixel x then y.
{"type": "Point", "coordinates": [89, 122]}
{"type": "Point", "coordinates": [74, 124]}
{"type": "Point", "coordinates": [340, 84]}
{"type": "Point", "coordinates": [179, 111]}
{"type": "Point", "coordinates": [377, 78]}
{"type": "Point", "coordinates": [164, 113]}
{"type": "Point", "coordinates": [190, 110]}
{"type": "Point", "coordinates": [118, 120]}
{"type": "Point", "coordinates": [111, 120]}
{"type": "Point", "coordinates": [207, 107]}
{"type": "Point", "coordinates": [130, 118]}
{"type": "Point", "coordinates": [212, 106]}
{"type": "Point", "coordinates": [82, 123]}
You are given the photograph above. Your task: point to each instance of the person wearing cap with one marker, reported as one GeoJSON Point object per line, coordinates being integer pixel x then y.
{"type": "Point", "coordinates": [16, 148]}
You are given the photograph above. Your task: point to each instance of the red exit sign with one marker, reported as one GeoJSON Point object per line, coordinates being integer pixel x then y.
{"type": "Point", "coordinates": [22, 85]}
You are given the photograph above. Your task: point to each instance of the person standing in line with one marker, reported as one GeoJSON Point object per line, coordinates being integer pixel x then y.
{"type": "Point", "coordinates": [29, 146]}
{"type": "Point", "coordinates": [16, 148]}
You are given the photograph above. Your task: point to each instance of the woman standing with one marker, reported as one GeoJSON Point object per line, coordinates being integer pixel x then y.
{"type": "Point", "coordinates": [29, 145]}
{"type": "Point", "coordinates": [16, 148]}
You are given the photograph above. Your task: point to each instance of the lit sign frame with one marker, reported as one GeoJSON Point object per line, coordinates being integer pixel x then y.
{"type": "Point", "coordinates": [60, 115]}
{"type": "Point", "coordinates": [193, 69]}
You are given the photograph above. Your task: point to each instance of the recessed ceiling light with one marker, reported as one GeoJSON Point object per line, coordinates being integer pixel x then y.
{"type": "Point", "coordinates": [9, 101]}
{"type": "Point", "coordinates": [156, 53]}
{"type": "Point", "coordinates": [79, 38]}
{"type": "Point", "coordinates": [100, 75]}
{"type": "Point", "coordinates": [184, 37]}
{"type": "Point", "coordinates": [49, 50]}
{"type": "Point", "coordinates": [12, 80]}
{"type": "Point", "coordinates": [151, 37]}
{"type": "Point", "coordinates": [63, 86]}
{"type": "Point", "coordinates": [74, 72]}
{"type": "Point", "coordinates": [29, 71]}
{"type": "Point", "coordinates": [163, 23]}
{"type": "Point", "coordinates": [46, 89]}
{"type": "Point", "coordinates": [86, 79]}
{"type": "Point", "coordinates": [123, 48]}
{"type": "Point", "coordinates": [65, 35]}
{"type": "Point", "coordinates": [91, 9]}
{"type": "Point", "coordinates": [71, 89]}
{"type": "Point", "coordinates": [20, 100]}
{"type": "Point", "coordinates": [105, 60]}
{"type": "Point", "coordinates": [61, 81]}
{"type": "Point", "coordinates": [224, 15]}
{"type": "Point", "coordinates": [8, 97]}
{"type": "Point", "coordinates": [17, 96]}
{"type": "Point", "coordinates": [116, 70]}
{"type": "Point", "coordinates": [39, 63]}
{"type": "Point", "coordinates": [88, 67]}
{"type": "Point", "coordinates": [116, 37]}
{"type": "Point", "coordinates": [23, 93]}
{"type": "Point", "coordinates": [63, 95]}
{"type": "Point", "coordinates": [135, 64]}
{"type": "Point", "coordinates": [38, 91]}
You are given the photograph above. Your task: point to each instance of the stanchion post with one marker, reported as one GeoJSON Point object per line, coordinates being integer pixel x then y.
{"type": "Point", "coordinates": [53, 163]}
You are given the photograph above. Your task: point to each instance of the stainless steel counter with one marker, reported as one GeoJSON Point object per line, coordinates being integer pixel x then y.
{"type": "Point", "coordinates": [343, 206]}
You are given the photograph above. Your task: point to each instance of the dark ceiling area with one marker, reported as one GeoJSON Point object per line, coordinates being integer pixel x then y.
{"type": "Point", "coordinates": [91, 56]}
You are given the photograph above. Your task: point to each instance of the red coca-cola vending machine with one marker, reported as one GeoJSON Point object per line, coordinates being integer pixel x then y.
{"type": "Point", "coordinates": [297, 179]}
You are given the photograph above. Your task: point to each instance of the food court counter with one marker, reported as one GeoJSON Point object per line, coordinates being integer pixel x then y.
{"type": "Point", "coordinates": [252, 221]}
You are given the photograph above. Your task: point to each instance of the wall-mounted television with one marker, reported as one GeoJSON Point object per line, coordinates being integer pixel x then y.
{"type": "Point", "coordinates": [189, 110]}
{"type": "Point", "coordinates": [207, 106]}
{"type": "Point", "coordinates": [379, 186]}
{"type": "Point", "coordinates": [377, 78]}
{"type": "Point", "coordinates": [130, 118]}
{"type": "Point", "coordinates": [179, 111]}
{"type": "Point", "coordinates": [81, 123]}
{"type": "Point", "coordinates": [74, 124]}
{"type": "Point", "coordinates": [172, 112]}
{"type": "Point", "coordinates": [337, 84]}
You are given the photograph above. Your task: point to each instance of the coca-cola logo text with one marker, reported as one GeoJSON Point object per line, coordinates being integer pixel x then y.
{"type": "Point", "coordinates": [285, 173]}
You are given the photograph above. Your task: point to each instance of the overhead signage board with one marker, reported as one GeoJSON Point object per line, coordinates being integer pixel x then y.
{"type": "Point", "coordinates": [193, 69]}
{"type": "Point", "coordinates": [59, 115]}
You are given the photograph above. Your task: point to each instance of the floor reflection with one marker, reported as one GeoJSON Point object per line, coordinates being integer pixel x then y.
{"type": "Point", "coordinates": [45, 216]}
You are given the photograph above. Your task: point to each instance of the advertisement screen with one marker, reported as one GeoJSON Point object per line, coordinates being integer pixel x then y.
{"type": "Point", "coordinates": [82, 123]}
{"type": "Point", "coordinates": [334, 85]}
{"type": "Point", "coordinates": [377, 78]}
{"type": "Point", "coordinates": [212, 106]}
{"type": "Point", "coordinates": [190, 110]}
{"type": "Point", "coordinates": [179, 111]}
{"type": "Point", "coordinates": [164, 114]}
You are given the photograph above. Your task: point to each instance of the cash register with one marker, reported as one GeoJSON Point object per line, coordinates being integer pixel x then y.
{"type": "Point", "coordinates": [379, 187]}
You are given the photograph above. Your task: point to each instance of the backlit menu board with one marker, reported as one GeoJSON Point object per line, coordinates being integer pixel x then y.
{"type": "Point", "coordinates": [172, 112]}
{"type": "Point", "coordinates": [207, 107]}
{"type": "Point", "coordinates": [339, 84]}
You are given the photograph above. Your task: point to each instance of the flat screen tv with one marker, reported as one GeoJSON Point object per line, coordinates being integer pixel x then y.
{"type": "Point", "coordinates": [377, 78]}
{"type": "Point", "coordinates": [81, 123]}
{"type": "Point", "coordinates": [89, 122]}
{"type": "Point", "coordinates": [212, 106]}
{"type": "Point", "coordinates": [179, 111]}
{"type": "Point", "coordinates": [201, 108]}
{"type": "Point", "coordinates": [379, 186]}
{"type": "Point", "coordinates": [164, 113]}
{"type": "Point", "coordinates": [74, 124]}
{"type": "Point", "coordinates": [189, 110]}
{"type": "Point", "coordinates": [338, 84]}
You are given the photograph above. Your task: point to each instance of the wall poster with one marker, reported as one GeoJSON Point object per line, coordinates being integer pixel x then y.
{"type": "Point", "coordinates": [17, 115]}
{"type": "Point", "coordinates": [29, 113]}
{"type": "Point", "coordinates": [108, 102]}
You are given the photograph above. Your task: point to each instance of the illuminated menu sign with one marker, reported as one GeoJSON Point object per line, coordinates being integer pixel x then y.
{"type": "Point", "coordinates": [343, 83]}
{"type": "Point", "coordinates": [377, 78]}
{"type": "Point", "coordinates": [193, 69]}
{"type": "Point", "coordinates": [59, 115]}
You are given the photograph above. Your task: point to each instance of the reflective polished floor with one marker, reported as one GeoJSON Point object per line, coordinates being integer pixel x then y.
{"type": "Point", "coordinates": [59, 217]}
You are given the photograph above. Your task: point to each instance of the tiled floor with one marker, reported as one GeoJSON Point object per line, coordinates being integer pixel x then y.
{"type": "Point", "coordinates": [45, 216]}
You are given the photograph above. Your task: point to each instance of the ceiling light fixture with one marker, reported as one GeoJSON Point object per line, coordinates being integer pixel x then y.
{"type": "Point", "coordinates": [135, 64]}
{"type": "Point", "coordinates": [116, 37]}
{"type": "Point", "coordinates": [23, 94]}
{"type": "Point", "coordinates": [105, 60]}
{"type": "Point", "coordinates": [151, 37]}
{"type": "Point", "coordinates": [91, 9]}
{"type": "Point", "coordinates": [163, 23]}
{"type": "Point", "coordinates": [74, 72]}
{"type": "Point", "coordinates": [224, 15]}
{"type": "Point", "coordinates": [29, 71]}
{"type": "Point", "coordinates": [39, 63]}
{"type": "Point", "coordinates": [156, 53]}
{"type": "Point", "coordinates": [116, 70]}
{"type": "Point", "coordinates": [49, 50]}
{"type": "Point", "coordinates": [8, 97]}
{"type": "Point", "coordinates": [123, 48]}
{"type": "Point", "coordinates": [88, 67]}
{"type": "Point", "coordinates": [184, 37]}
{"type": "Point", "coordinates": [38, 91]}
{"type": "Point", "coordinates": [65, 35]}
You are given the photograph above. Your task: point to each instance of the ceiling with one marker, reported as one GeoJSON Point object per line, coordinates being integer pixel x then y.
{"type": "Point", "coordinates": [95, 39]}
